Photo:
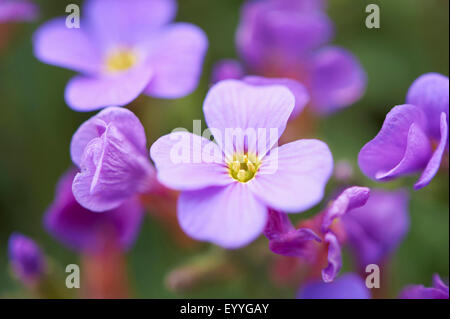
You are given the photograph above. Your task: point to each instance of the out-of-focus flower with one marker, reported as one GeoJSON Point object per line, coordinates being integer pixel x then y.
{"type": "Point", "coordinates": [110, 149]}
{"type": "Point", "coordinates": [124, 48]}
{"type": "Point", "coordinates": [26, 258]}
{"type": "Point", "coordinates": [228, 186]}
{"type": "Point", "coordinates": [17, 10]}
{"type": "Point", "coordinates": [347, 286]}
{"type": "Point", "coordinates": [405, 142]}
{"type": "Point", "coordinates": [86, 231]}
{"type": "Point", "coordinates": [285, 240]}
{"type": "Point", "coordinates": [438, 291]}
{"type": "Point", "coordinates": [286, 38]}
{"type": "Point", "coordinates": [227, 69]}
{"type": "Point", "coordinates": [368, 235]}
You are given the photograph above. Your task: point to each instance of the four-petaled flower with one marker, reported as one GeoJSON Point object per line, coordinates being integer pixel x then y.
{"type": "Point", "coordinates": [228, 186]}
{"type": "Point", "coordinates": [122, 49]}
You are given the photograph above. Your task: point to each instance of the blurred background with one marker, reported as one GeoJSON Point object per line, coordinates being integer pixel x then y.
{"type": "Point", "coordinates": [36, 127]}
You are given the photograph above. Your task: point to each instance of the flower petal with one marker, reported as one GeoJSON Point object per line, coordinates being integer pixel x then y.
{"type": "Point", "coordinates": [337, 79]}
{"type": "Point", "coordinates": [349, 199]}
{"type": "Point", "coordinates": [86, 231]}
{"type": "Point", "coordinates": [272, 34]}
{"type": "Point", "coordinates": [435, 162]}
{"type": "Point", "coordinates": [55, 44]}
{"type": "Point", "coordinates": [229, 216]}
{"type": "Point", "coordinates": [369, 237]}
{"type": "Point", "coordinates": [348, 286]}
{"type": "Point", "coordinates": [233, 106]}
{"type": "Point", "coordinates": [17, 10]}
{"type": "Point", "coordinates": [92, 93]}
{"type": "Point", "coordinates": [127, 22]}
{"type": "Point", "coordinates": [278, 223]}
{"type": "Point", "coordinates": [292, 178]}
{"type": "Point", "coordinates": [123, 119]}
{"type": "Point", "coordinates": [187, 161]}
{"type": "Point", "coordinates": [400, 147]}
{"type": "Point", "coordinates": [430, 92]}
{"type": "Point", "coordinates": [300, 93]}
{"type": "Point", "coordinates": [177, 60]}
{"type": "Point", "coordinates": [112, 170]}
{"type": "Point", "coordinates": [334, 258]}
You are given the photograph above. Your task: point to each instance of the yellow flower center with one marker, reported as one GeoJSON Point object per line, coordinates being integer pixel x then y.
{"type": "Point", "coordinates": [243, 167]}
{"type": "Point", "coordinates": [120, 60]}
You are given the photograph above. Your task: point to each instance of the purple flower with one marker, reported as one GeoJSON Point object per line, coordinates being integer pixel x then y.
{"type": "Point", "coordinates": [26, 258]}
{"type": "Point", "coordinates": [285, 240]}
{"type": "Point", "coordinates": [227, 69]}
{"type": "Point", "coordinates": [368, 236]}
{"type": "Point", "coordinates": [87, 231]}
{"type": "Point", "coordinates": [228, 186]}
{"type": "Point", "coordinates": [287, 38]}
{"type": "Point", "coordinates": [110, 149]}
{"type": "Point", "coordinates": [17, 10]}
{"type": "Point", "coordinates": [404, 144]}
{"type": "Point", "coordinates": [348, 286]}
{"type": "Point", "coordinates": [438, 291]}
{"type": "Point", "coordinates": [122, 49]}
{"type": "Point", "coordinates": [300, 92]}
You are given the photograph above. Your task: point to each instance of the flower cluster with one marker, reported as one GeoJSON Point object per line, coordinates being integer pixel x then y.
{"type": "Point", "coordinates": [240, 179]}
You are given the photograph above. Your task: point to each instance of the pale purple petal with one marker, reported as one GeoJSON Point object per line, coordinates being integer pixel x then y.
{"type": "Point", "coordinates": [349, 199]}
{"type": "Point", "coordinates": [300, 93]}
{"type": "Point", "coordinates": [227, 69]}
{"type": "Point", "coordinates": [228, 216]}
{"type": "Point", "coordinates": [370, 239]}
{"type": "Point", "coordinates": [292, 178]}
{"type": "Point", "coordinates": [334, 258]}
{"type": "Point", "coordinates": [435, 162]}
{"type": "Point", "coordinates": [86, 93]}
{"type": "Point", "coordinates": [55, 44]}
{"type": "Point", "coordinates": [114, 164]}
{"type": "Point", "coordinates": [430, 92]}
{"type": "Point", "coordinates": [127, 22]}
{"type": "Point", "coordinates": [439, 284]}
{"type": "Point", "coordinates": [123, 119]}
{"type": "Point", "coordinates": [186, 161]}
{"type": "Point", "coordinates": [17, 10]}
{"type": "Point", "coordinates": [86, 231]}
{"type": "Point", "coordinates": [177, 59]}
{"type": "Point", "coordinates": [336, 80]}
{"type": "Point", "coordinates": [401, 147]}
{"type": "Point", "coordinates": [348, 286]}
{"type": "Point", "coordinates": [233, 105]}
{"type": "Point", "coordinates": [26, 258]}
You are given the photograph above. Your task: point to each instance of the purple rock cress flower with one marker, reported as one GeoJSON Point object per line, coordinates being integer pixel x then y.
{"type": "Point", "coordinates": [124, 48]}
{"type": "Point", "coordinates": [17, 10]}
{"type": "Point", "coordinates": [285, 240]}
{"type": "Point", "coordinates": [86, 231]}
{"type": "Point", "coordinates": [26, 258]}
{"type": "Point", "coordinates": [110, 150]}
{"type": "Point", "coordinates": [287, 38]}
{"type": "Point", "coordinates": [348, 286]}
{"type": "Point", "coordinates": [405, 142]}
{"type": "Point", "coordinates": [370, 240]}
{"type": "Point", "coordinates": [438, 291]}
{"type": "Point", "coordinates": [228, 186]}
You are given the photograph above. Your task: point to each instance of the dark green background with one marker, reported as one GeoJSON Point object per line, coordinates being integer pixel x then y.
{"type": "Point", "coordinates": [36, 127]}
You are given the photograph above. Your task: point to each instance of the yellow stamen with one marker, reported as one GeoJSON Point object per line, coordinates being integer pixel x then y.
{"type": "Point", "coordinates": [120, 60]}
{"type": "Point", "coordinates": [243, 167]}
